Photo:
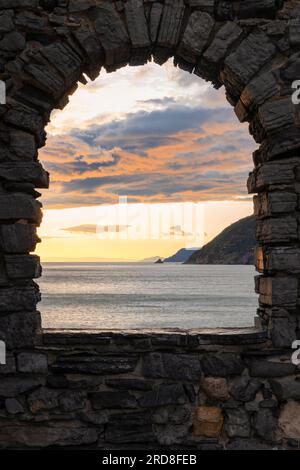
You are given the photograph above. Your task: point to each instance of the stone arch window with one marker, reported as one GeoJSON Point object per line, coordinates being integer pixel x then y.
{"type": "Point", "coordinates": [251, 48]}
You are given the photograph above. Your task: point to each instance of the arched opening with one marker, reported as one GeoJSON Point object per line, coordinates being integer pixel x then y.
{"type": "Point", "coordinates": [137, 388]}
{"type": "Point", "coordinates": [171, 144]}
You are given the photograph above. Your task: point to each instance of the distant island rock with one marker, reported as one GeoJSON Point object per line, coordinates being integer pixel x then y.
{"type": "Point", "coordinates": [181, 256]}
{"type": "Point", "coordinates": [235, 245]}
{"type": "Point", "coordinates": [153, 259]}
{"type": "Point", "coordinates": [159, 261]}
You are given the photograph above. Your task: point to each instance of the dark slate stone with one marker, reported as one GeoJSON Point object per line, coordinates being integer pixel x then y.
{"type": "Point", "coordinates": [13, 386]}
{"type": "Point", "coordinates": [20, 329]}
{"type": "Point", "coordinates": [126, 433]}
{"type": "Point", "coordinates": [33, 363]}
{"type": "Point", "coordinates": [6, 23]}
{"type": "Point", "coordinates": [172, 366]}
{"type": "Point", "coordinates": [43, 399]}
{"type": "Point", "coordinates": [237, 423]}
{"type": "Point", "coordinates": [45, 436]}
{"type": "Point", "coordinates": [132, 418]}
{"type": "Point", "coordinates": [286, 388]}
{"type": "Point", "coordinates": [13, 406]}
{"type": "Point", "coordinates": [246, 444]}
{"type": "Point", "coordinates": [10, 366]}
{"type": "Point", "coordinates": [23, 266]}
{"type": "Point", "coordinates": [110, 399]}
{"type": "Point", "coordinates": [259, 49]}
{"type": "Point", "coordinates": [133, 427]}
{"type": "Point", "coordinates": [18, 238]}
{"type": "Point", "coordinates": [57, 381]}
{"type": "Point", "coordinates": [12, 42]}
{"type": "Point", "coordinates": [265, 424]}
{"type": "Point", "coordinates": [245, 389]}
{"type": "Point", "coordinates": [165, 394]}
{"type": "Point", "coordinates": [95, 364]}
{"type": "Point", "coordinates": [19, 298]}
{"type": "Point", "coordinates": [71, 401]}
{"type": "Point", "coordinates": [261, 368]}
{"type": "Point", "coordinates": [30, 172]}
{"type": "Point", "coordinates": [222, 364]}
{"type": "Point", "coordinates": [258, 9]}
{"type": "Point", "coordinates": [129, 384]}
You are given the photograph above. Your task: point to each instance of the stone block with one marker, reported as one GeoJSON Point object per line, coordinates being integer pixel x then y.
{"type": "Point", "coordinates": [281, 258]}
{"type": "Point", "coordinates": [13, 406]}
{"type": "Point", "coordinates": [46, 436]}
{"type": "Point", "coordinates": [273, 203]}
{"type": "Point", "coordinates": [23, 266]}
{"type": "Point", "coordinates": [289, 420]}
{"type": "Point", "coordinates": [13, 386]}
{"type": "Point", "coordinates": [196, 36]}
{"type": "Point", "coordinates": [112, 34]}
{"type": "Point", "coordinates": [172, 366]}
{"type": "Point", "coordinates": [277, 230]}
{"type": "Point", "coordinates": [113, 400]}
{"type": "Point", "coordinates": [32, 363]}
{"type": "Point", "coordinates": [154, 20]}
{"type": "Point", "coordinates": [18, 238]}
{"type": "Point", "coordinates": [223, 39]}
{"type": "Point", "coordinates": [25, 118]}
{"type": "Point", "coordinates": [136, 23]}
{"type": "Point", "coordinates": [259, 90]}
{"type": "Point", "coordinates": [216, 388]}
{"type": "Point", "coordinates": [19, 330]}
{"type": "Point", "coordinates": [245, 389]}
{"type": "Point", "coordinates": [19, 298]}
{"type": "Point", "coordinates": [130, 427]}
{"type": "Point", "coordinates": [64, 60]}
{"type": "Point", "coordinates": [269, 369]}
{"type": "Point", "coordinates": [164, 394]}
{"type": "Point", "coordinates": [171, 22]}
{"type": "Point", "coordinates": [203, 5]}
{"type": "Point", "coordinates": [222, 364]}
{"type": "Point", "coordinates": [208, 421]}
{"type": "Point", "coordinates": [258, 9]}
{"type": "Point", "coordinates": [274, 115]}
{"type": "Point", "coordinates": [20, 206]}
{"type": "Point", "coordinates": [237, 423]}
{"type": "Point", "coordinates": [264, 424]}
{"type": "Point", "coordinates": [23, 145]}
{"type": "Point", "coordinates": [72, 401]}
{"type": "Point", "coordinates": [43, 399]}
{"type": "Point", "coordinates": [87, 364]}
{"type": "Point", "coordinates": [252, 54]}
{"type": "Point", "coordinates": [287, 388]}
{"type": "Point", "coordinates": [283, 331]}
{"type": "Point", "coordinates": [278, 291]}
{"type": "Point", "coordinates": [272, 175]}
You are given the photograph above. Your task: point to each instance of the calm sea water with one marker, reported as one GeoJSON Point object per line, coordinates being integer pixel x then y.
{"type": "Point", "coordinates": [104, 295]}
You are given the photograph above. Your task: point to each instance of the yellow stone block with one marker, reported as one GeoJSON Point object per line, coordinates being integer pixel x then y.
{"type": "Point", "coordinates": [208, 421]}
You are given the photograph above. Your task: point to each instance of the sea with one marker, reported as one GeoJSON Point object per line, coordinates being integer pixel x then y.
{"type": "Point", "coordinates": [140, 295]}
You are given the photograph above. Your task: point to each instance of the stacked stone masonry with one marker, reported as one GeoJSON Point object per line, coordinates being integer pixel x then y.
{"type": "Point", "coordinates": [138, 389]}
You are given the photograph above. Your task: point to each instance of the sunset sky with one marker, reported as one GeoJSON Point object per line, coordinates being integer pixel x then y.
{"type": "Point", "coordinates": [154, 134]}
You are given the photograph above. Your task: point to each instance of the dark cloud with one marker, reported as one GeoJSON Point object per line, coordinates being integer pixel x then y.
{"type": "Point", "coordinates": [80, 166]}
{"type": "Point", "coordinates": [140, 131]}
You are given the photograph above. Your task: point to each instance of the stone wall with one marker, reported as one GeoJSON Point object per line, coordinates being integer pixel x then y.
{"type": "Point", "coordinates": [151, 390]}
{"type": "Point", "coordinates": [252, 48]}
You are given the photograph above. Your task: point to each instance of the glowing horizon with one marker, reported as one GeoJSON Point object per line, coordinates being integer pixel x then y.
{"type": "Point", "coordinates": [156, 134]}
